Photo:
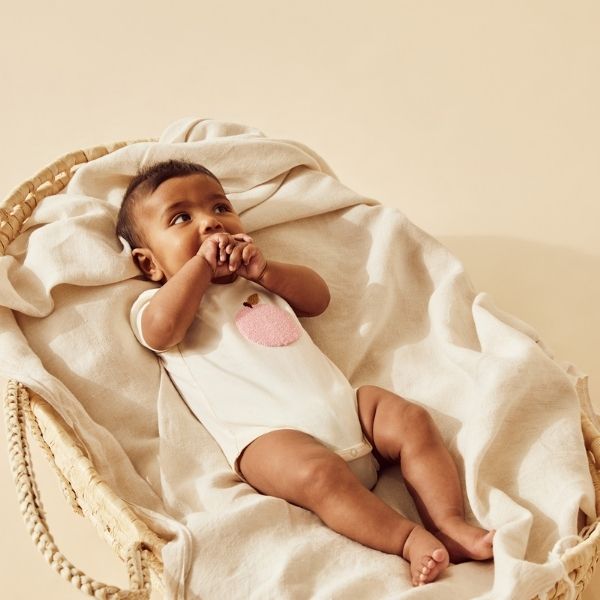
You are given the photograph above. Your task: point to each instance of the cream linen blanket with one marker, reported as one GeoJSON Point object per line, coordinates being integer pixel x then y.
{"type": "Point", "coordinates": [403, 315]}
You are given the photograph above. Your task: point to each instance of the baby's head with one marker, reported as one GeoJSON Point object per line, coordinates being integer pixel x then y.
{"type": "Point", "coordinates": [168, 210]}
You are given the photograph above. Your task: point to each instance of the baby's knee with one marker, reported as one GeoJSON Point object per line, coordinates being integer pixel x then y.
{"type": "Point", "coordinates": [403, 425]}
{"type": "Point", "coordinates": [317, 478]}
{"type": "Point", "coordinates": [417, 418]}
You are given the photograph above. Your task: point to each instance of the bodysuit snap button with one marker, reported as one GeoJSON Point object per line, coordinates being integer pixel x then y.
{"type": "Point", "coordinates": [354, 452]}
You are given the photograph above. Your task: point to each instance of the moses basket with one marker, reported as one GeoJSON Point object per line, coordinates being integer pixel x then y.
{"type": "Point", "coordinates": [132, 540]}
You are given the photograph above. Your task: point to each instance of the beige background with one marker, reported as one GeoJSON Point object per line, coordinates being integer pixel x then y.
{"type": "Point", "coordinates": [477, 119]}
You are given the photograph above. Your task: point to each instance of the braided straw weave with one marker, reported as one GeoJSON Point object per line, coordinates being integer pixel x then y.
{"type": "Point", "coordinates": [138, 546]}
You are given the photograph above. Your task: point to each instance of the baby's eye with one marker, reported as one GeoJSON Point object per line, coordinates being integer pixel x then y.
{"type": "Point", "coordinates": [224, 206]}
{"type": "Point", "coordinates": [183, 216]}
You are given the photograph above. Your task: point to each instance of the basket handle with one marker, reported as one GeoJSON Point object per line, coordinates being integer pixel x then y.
{"type": "Point", "coordinates": [16, 407]}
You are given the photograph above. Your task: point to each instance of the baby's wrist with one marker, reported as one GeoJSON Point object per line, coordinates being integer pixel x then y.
{"type": "Point", "coordinates": [204, 265]}
{"type": "Point", "coordinates": [262, 273]}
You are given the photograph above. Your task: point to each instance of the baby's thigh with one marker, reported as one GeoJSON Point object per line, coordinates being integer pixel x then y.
{"type": "Point", "coordinates": [289, 464]}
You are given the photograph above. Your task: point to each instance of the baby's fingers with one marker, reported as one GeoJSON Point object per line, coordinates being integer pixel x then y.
{"type": "Point", "coordinates": [235, 258]}
{"type": "Point", "coordinates": [230, 247]}
{"type": "Point", "coordinates": [225, 247]}
{"type": "Point", "coordinates": [249, 252]}
{"type": "Point", "coordinates": [243, 237]}
{"type": "Point", "coordinates": [238, 237]}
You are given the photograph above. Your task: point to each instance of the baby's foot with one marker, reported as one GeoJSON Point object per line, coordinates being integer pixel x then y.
{"type": "Point", "coordinates": [466, 542]}
{"type": "Point", "coordinates": [426, 554]}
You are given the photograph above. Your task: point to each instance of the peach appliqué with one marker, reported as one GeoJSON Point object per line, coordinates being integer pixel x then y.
{"type": "Point", "coordinates": [266, 324]}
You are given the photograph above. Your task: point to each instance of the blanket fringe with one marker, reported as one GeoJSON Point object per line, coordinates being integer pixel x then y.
{"type": "Point", "coordinates": [555, 556]}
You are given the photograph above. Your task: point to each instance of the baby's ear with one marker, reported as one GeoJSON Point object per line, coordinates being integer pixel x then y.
{"type": "Point", "coordinates": [145, 260]}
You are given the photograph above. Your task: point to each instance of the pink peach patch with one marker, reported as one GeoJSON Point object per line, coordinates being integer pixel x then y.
{"type": "Point", "coordinates": [267, 324]}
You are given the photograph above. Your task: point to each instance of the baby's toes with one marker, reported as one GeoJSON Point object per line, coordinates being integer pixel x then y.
{"type": "Point", "coordinates": [427, 556]}
{"type": "Point", "coordinates": [420, 573]}
{"type": "Point", "coordinates": [431, 567]}
{"type": "Point", "coordinates": [439, 555]}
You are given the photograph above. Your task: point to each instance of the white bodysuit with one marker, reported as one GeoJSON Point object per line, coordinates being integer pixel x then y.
{"type": "Point", "coordinates": [247, 367]}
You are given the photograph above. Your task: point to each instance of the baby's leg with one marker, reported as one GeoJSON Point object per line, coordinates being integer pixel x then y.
{"type": "Point", "coordinates": [294, 466]}
{"type": "Point", "coordinates": [403, 431]}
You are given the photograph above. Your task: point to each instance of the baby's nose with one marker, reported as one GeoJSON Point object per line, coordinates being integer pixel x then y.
{"type": "Point", "coordinates": [211, 225]}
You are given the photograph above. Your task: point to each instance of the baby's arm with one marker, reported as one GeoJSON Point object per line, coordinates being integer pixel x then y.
{"type": "Point", "coordinates": [171, 310]}
{"type": "Point", "coordinates": [304, 289]}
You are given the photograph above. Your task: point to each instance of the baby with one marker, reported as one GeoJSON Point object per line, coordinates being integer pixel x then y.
{"type": "Point", "coordinates": [225, 323]}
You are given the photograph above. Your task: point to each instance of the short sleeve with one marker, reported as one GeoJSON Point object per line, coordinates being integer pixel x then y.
{"type": "Point", "coordinates": [135, 316]}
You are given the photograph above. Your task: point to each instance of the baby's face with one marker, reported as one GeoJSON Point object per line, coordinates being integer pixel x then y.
{"type": "Point", "coordinates": [180, 214]}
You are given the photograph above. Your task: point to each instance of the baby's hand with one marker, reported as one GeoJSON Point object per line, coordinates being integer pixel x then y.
{"type": "Point", "coordinates": [214, 251]}
{"type": "Point", "coordinates": [247, 260]}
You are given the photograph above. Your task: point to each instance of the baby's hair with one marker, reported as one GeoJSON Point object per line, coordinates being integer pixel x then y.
{"type": "Point", "coordinates": [144, 184]}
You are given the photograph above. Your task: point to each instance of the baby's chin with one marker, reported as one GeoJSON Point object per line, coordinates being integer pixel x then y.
{"type": "Point", "coordinates": [225, 278]}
